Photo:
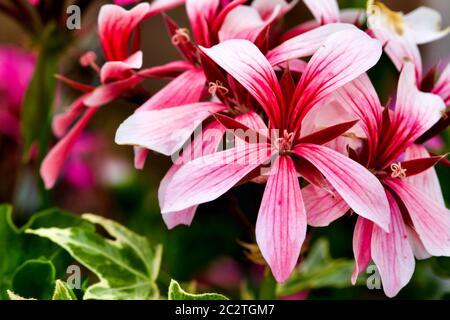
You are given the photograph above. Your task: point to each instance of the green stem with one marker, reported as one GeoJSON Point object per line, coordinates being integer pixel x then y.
{"type": "Point", "coordinates": [268, 286]}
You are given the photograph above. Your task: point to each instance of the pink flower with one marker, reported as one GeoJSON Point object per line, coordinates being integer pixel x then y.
{"type": "Point", "coordinates": [420, 223]}
{"type": "Point", "coordinates": [442, 86]}
{"type": "Point", "coordinates": [211, 22]}
{"type": "Point", "coordinates": [16, 71]}
{"type": "Point", "coordinates": [281, 224]}
{"type": "Point", "coordinates": [164, 123]}
{"type": "Point", "coordinates": [401, 34]}
{"type": "Point", "coordinates": [118, 75]}
{"type": "Point", "coordinates": [78, 170]}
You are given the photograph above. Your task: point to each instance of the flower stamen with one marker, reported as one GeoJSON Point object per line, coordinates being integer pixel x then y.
{"type": "Point", "coordinates": [398, 171]}
{"type": "Point", "coordinates": [181, 36]}
{"type": "Point", "coordinates": [88, 60]}
{"type": "Point", "coordinates": [213, 87]}
{"type": "Point", "coordinates": [284, 144]}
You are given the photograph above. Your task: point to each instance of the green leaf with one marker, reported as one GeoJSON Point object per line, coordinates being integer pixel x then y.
{"type": "Point", "coordinates": [318, 270]}
{"type": "Point", "coordinates": [63, 292]}
{"type": "Point", "coordinates": [14, 296]}
{"type": "Point", "coordinates": [177, 293]}
{"type": "Point", "coordinates": [35, 278]}
{"type": "Point", "coordinates": [16, 247]}
{"type": "Point", "coordinates": [126, 266]}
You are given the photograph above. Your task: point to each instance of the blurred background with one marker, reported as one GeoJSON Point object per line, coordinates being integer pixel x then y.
{"type": "Point", "coordinates": [100, 178]}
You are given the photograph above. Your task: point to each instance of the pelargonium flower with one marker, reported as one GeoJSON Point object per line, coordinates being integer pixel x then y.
{"type": "Point", "coordinates": [211, 22]}
{"type": "Point", "coordinates": [442, 86]}
{"type": "Point", "coordinates": [118, 75]}
{"type": "Point", "coordinates": [420, 223]}
{"type": "Point", "coordinates": [164, 124]}
{"type": "Point", "coordinates": [16, 72]}
{"type": "Point", "coordinates": [281, 224]}
{"type": "Point", "coordinates": [401, 34]}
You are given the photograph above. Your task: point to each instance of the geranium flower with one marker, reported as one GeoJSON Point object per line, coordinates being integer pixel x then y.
{"type": "Point", "coordinates": [401, 34]}
{"type": "Point", "coordinates": [16, 72]}
{"type": "Point", "coordinates": [118, 75]}
{"type": "Point", "coordinates": [211, 22]}
{"type": "Point", "coordinates": [281, 224]}
{"type": "Point", "coordinates": [164, 124]}
{"type": "Point", "coordinates": [420, 223]}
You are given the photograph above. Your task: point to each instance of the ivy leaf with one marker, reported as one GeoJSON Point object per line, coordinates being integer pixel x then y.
{"type": "Point", "coordinates": [35, 278]}
{"type": "Point", "coordinates": [126, 266]}
{"type": "Point", "coordinates": [14, 296]}
{"type": "Point", "coordinates": [63, 292]}
{"type": "Point", "coordinates": [17, 247]}
{"type": "Point", "coordinates": [177, 293]}
{"type": "Point", "coordinates": [318, 270]}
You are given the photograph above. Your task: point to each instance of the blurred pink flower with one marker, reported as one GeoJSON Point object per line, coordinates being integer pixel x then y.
{"type": "Point", "coordinates": [79, 169]}
{"type": "Point", "coordinates": [16, 71]}
{"type": "Point", "coordinates": [223, 272]}
{"type": "Point", "coordinates": [119, 74]}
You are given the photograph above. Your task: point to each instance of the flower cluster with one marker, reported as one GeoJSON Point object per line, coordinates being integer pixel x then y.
{"type": "Point", "coordinates": [303, 115]}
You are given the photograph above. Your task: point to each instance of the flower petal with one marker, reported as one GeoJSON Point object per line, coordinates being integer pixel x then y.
{"type": "Point", "coordinates": [204, 144]}
{"type": "Point", "coordinates": [428, 180]}
{"type": "Point", "coordinates": [207, 178]}
{"type": "Point", "coordinates": [305, 44]}
{"type": "Point", "coordinates": [54, 161]}
{"type": "Point", "coordinates": [245, 22]}
{"type": "Point", "coordinates": [252, 120]}
{"type": "Point", "coordinates": [431, 221]}
{"type": "Point", "coordinates": [244, 62]}
{"type": "Point", "coordinates": [325, 11]}
{"type": "Point", "coordinates": [323, 207]}
{"type": "Point", "coordinates": [61, 122]}
{"type": "Point", "coordinates": [281, 223]}
{"type": "Point", "coordinates": [106, 93]}
{"type": "Point", "coordinates": [117, 70]}
{"type": "Point", "coordinates": [424, 24]}
{"type": "Point", "coordinates": [362, 238]}
{"type": "Point", "coordinates": [417, 245]}
{"type": "Point", "coordinates": [166, 130]}
{"type": "Point", "coordinates": [415, 112]}
{"type": "Point", "coordinates": [388, 27]}
{"type": "Point", "coordinates": [344, 56]}
{"type": "Point", "coordinates": [201, 13]}
{"type": "Point", "coordinates": [355, 184]}
{"type": "Point", "coordinates": [185, 89]}
{"type": "Point", "coordinates": [173, 94]}
{"type": "Point", "coordinates": [360, 98]}
{"type": "Point", "coordinates": [392, 252]}
{"type": "Point", "coordinates": [442, 86]}
{"type": "Point", "coordinates": [266, 8]}
{"type": "Point", "coordinates": [115, 26]}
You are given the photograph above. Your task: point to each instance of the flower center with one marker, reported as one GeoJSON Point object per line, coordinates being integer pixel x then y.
{"type": "Point", "coordinates": [398, 171]}
{"type": "Point", "coordinates": [181, 36]}
{"type": "Point", "coordinates": [284, 143]}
